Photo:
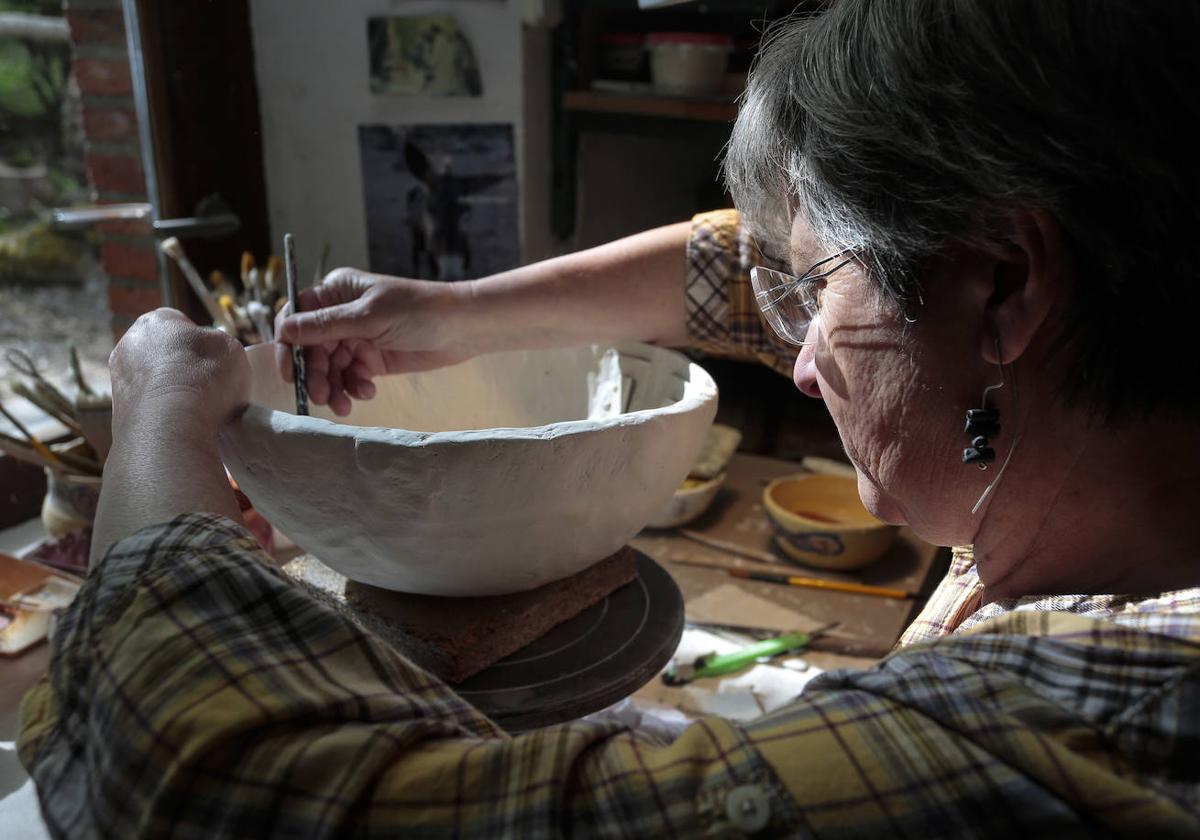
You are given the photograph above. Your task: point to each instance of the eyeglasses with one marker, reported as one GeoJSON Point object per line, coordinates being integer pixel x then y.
{"type": "Point", "coordinates": [789, 303]}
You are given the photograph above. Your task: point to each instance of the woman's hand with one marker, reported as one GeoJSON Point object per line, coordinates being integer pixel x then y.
{"type": "Point", "coordinates": [167, 370]}
{"type": "Point", "coordinates": [175, 385]}
{"type": "Point", "coordinates": [356, 326]}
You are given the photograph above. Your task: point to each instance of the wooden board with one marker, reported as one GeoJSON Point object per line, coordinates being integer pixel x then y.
{"type": "Point", "coordinates": [705, 110]}
{"type": "Point", "coordinates": [869, 626]}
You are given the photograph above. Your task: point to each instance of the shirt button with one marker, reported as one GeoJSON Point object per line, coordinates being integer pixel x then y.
{"type": "Point", "coordinates": [747, 808]}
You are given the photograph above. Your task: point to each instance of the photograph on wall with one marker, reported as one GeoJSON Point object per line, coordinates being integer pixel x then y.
{"type": "Point", "coordinates": [441, 200]}
{"type": "Point", "coordinates": [422, 55]}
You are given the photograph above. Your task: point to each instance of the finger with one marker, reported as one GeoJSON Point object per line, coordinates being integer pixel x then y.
{"type": "Point", "coordinates": [342, 357]}
{"type": "Point", "coordinates": [358, 383]}
{"type": "Point", "coordinates": [316, 367]}
{"type": "Point", "coordinates": [283, 360]}
{"type": "Point", "coordinates": [339, 402]}
{"type": "Point", "coordinates": [371, 358]}
{"type": "Point", "coordinates": [361, 389]}
{"type": "Point", "coordinates": [331, 323]}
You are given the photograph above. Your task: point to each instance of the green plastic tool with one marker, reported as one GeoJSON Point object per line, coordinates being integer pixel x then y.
{"type": "Point", "coordinates": [716, 665]}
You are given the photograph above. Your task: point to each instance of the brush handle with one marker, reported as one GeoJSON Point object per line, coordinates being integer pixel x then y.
{"type": "Point", "coordinates": [174, 250]}
{"type": "Point", "coordinates": [820, 583]}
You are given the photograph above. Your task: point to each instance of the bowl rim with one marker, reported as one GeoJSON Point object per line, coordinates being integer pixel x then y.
{"type": "Point", "coordinates": [701, 488]}
{"type": "Point", "coordinates": [704, 392]}
{"type": "Point", "coordinates": [774, 508]}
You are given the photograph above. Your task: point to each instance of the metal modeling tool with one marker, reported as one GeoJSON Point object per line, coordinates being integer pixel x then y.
{"type": "Point", "coordinates": [717, 665]}
{"type": "Point", "coordinates": [299, 374]}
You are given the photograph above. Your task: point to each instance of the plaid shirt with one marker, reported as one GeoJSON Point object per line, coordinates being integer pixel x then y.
{"type": "Point", "coordinates": [196, 692]}
{"type": "Point", "coordinates": [722, 317]}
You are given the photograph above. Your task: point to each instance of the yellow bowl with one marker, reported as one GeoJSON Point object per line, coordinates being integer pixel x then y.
{"type": "Point", "coordinates": [820, 521]}
{"type": "Point", "coordinates": [687, 504]}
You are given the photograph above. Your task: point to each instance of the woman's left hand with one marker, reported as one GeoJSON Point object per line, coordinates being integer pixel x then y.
{"type": "Point", "coordinates": [168, 370]}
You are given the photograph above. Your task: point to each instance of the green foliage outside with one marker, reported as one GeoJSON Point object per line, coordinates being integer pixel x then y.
{"type": "Point", "coordinates": [41, 165]}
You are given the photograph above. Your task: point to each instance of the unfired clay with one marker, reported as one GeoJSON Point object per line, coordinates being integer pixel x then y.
{"type": "Point", "coordinates": [496, 475]}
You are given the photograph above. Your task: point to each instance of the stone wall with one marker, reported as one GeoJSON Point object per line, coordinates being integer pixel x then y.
{"type": "Point", "coordinates": [113, 154]}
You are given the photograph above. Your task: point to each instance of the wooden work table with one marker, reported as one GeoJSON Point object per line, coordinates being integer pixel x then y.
{"type": "Point", "coordinates": [868, 625]}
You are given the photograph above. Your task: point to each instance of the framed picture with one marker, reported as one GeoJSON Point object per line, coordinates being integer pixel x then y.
{"type": "Point", "coordinates": [424, 55]}
{"type": "Point", "coordinates": [441, 200]}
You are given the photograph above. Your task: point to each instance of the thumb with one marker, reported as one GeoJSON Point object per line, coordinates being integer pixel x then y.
{"type": "Point", "coordinates": [331, 323]}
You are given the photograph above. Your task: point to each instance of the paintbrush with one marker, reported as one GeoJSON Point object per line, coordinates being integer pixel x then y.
{"type": "Point", "coordinates": [820, 583]}
{"type": "Point", "coordinates": [270, 276]}
{"type": "Point", "coordinates": [174, 249]}
{"type": "Point", "coordinates": [35, 444]}
{"type": "Point", "coordinates": [260, 314]}
{"type": "Point", "coordinates": [77, 371]}
{"type": "Point", "coordinates": [299, 372]}
{"type": "Point", "coordinates": [25, 365]}
{"type": "Point", "coordinates": [67, 418]}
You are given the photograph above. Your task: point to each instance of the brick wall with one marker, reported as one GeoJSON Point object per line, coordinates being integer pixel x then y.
{"type": "Point", "coordinates": [114, 162]}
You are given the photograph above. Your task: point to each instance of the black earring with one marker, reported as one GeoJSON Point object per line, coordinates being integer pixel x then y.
{"type": "Point", "coordinates": [983, 424]}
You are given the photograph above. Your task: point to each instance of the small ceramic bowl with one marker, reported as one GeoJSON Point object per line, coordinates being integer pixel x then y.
{"type": "Point", "coordinates": [687, 503]}
{"type": "Point", "coordinates": [820, 521]}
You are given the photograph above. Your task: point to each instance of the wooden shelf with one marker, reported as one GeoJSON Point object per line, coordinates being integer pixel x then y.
{"type": "Point", "coordinates": [704, 110]}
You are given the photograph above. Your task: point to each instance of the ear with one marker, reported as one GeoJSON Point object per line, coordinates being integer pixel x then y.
{"type": "Point", "coordinates": [1031, 276]}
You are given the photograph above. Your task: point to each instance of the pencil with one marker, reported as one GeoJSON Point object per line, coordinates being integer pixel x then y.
{"type": "Point", "coordinates": [818, 583]}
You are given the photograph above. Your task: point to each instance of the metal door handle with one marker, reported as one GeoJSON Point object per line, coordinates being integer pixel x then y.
{"type": "Point", "coordinates": [73, 218]}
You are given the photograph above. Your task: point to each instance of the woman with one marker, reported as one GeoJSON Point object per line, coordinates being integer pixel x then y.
{"type": "Point", "coordinates": [970, 192]}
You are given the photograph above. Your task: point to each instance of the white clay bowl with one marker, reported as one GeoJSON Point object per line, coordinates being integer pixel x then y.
{"type": "Point", "coordinates": [497, 475]}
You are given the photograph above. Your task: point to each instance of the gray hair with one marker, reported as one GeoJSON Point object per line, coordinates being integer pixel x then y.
{"type": "Point", "coordinates": [899, 126]}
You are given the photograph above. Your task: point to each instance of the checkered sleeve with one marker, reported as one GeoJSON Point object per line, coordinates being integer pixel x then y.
{"type": "Point", "coordinates": [194, 692]}
{"type": "Point", "coordinates": [722, 316]}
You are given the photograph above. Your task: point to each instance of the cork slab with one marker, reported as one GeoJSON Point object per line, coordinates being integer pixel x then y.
{"type": "Point", "coordinates": [454, 638]}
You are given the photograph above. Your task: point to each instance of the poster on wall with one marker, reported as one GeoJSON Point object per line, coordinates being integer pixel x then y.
{"type": "Point", "coordinates": [421, 55]}
{"type": "Point", "coordinates": [441, 200]}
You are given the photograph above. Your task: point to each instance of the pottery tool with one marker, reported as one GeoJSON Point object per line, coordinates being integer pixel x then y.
{"type": "Point", "coordinates": [174, 249]}
{"type": "Point", "coordinates": [248, 270]}
{"type": "Point", "coordinates": [299, 373]}
{"type": "Point", "coordinates": [35, 444]}
{"type": "Point", "coordinates": [820, 583]}
{"type": "Point", "coordinates": [52, 409]}
{"type": "Point", "coordinates": [221, 285]}
{"type": "Point", "coordinates": [81, 383]}
{"type": "Point", "coordinates": [732, 548]}
{"type": "Point", "coordinates": [66, 462]}
{"type": "Point", "coordinates": [260, 315]}
{"type": "Point", "coordinates": [270, 276]}
{"type": "Point", "coordinates": [718, 665]}
{"type": "Point", "coordinates": [45, 390]}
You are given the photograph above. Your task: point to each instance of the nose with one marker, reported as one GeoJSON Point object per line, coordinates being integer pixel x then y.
{"type": "Point", "coordinates": [804, 374]}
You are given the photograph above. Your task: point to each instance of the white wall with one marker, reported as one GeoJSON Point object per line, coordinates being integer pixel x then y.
{"type": "Point", "coordinates": [314, 91]}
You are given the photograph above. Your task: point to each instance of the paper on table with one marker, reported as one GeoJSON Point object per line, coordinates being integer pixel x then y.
{"type": "Point", "coordinates": [730, 605]}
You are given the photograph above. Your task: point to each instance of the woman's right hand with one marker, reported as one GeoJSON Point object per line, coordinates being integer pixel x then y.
{"type": "Point", "coordinates": [356, 326]}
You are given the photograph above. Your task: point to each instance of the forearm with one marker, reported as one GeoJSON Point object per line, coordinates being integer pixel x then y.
{"type": "Point", "coordinates": [162, 464]}
{"type": "Point", "coordinates": [628, 290]}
